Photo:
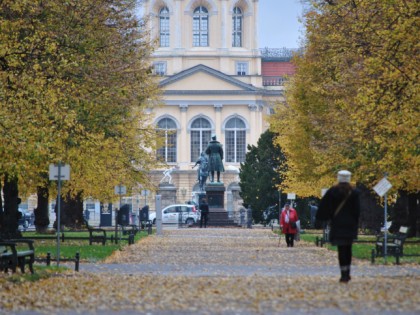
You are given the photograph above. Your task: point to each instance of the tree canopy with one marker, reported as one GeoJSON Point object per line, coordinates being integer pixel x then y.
{"type": "Point", "coordinates": [74, 83]}
{"type": "Point", "coordinates": [353, 102]}
{"type": "Point", "coordinates": [261, 174]}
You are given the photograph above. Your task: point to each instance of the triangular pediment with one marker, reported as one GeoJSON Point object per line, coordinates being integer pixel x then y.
{"type": "Point", "coordinates": [203, 78]}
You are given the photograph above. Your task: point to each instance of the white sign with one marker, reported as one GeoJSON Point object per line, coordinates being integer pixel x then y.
{"type": "Point", "coordinates": [64, 172]}
{"type": "Point", "coordinates": [382, 187]}
{"type": "Point", "coordinates": [120, 190]}
{"type": "Point", "coordinates": [291, 196]}
{"type": "Point", "coordinates": [323, 191]}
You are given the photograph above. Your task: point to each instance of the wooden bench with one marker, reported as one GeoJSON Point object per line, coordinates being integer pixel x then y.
{"type": "Point", "coordinates": [11, 257]}
{"type": "Point", "coordinates": [96, 235]}
{"type": "Point", "coordinates": [394, 244]}
{"type": "Point", "coordinates": [130, 229]}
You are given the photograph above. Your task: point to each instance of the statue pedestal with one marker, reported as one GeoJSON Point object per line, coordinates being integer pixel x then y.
{"type": "Point", "coordinates": [216, 196]}
{"type": "Point", "coordinates": [168, 194]}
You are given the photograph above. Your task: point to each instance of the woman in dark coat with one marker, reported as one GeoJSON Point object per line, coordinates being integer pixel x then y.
{"type": "Point", "coordinates": [341, 206]}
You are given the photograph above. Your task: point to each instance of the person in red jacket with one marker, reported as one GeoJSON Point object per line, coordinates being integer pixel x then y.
{"type": "Point", "coordinates": [288, 219]}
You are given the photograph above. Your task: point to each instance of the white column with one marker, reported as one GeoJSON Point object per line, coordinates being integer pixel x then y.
{"type": "Point", "coordinates": [218, 121]}
{"type": "Point", "coordinates": [183, 152]}
{"type": "Point", "coordinates": [224, 23]}
{"type": "Point", "coordinates": [177, 18]}
{"type": "Point", "coordinates": [255, 26]}
{"type": "Point", "coordinates": [253, 108]}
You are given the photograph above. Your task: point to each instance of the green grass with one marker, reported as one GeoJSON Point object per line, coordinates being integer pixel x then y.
{"type": "Point", "coordinates": [40, 272]}
{"type": "Point", "coordinates": [69, 248]}
{"type": "Point", "coordinates": [364, 250]}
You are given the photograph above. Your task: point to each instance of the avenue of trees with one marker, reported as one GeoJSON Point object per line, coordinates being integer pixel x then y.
{"type": "Point", "coordinates": [354, 101]}
{"type": "Point", "coordinates": [74, 83]}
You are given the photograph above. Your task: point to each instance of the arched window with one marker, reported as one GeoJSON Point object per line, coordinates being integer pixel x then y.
{"type": "Point", "coordinates": [164, 27]}
{"type": "Point", "coordinates": [235, 138]}
{"type": "Point", "coordinates": [167, 129]}
{"type": "Point", "coordinates": [200, 137]}
{"type": "Point", "coordinates": [237, 27]}
{"type": "Point", "coordinates": [200, 27]}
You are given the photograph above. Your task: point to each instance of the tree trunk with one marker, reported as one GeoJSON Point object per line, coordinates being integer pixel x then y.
{"type": "Point", "coordinates": [42, 211]}
{"type": "Point", "coordinates": [1, 210]}
{"type": "Point", "coordinates": [406, 212]}
{"type": "Point", "coordinates": [11, 214]}
{"type": "Point", "coordinates": [371, 213]}
{"type": "Point", "coordinates": [414, 214]}
{"type": "Point", "coordinates": [71, 211]}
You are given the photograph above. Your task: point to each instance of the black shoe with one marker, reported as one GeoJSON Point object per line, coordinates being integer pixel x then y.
{"type": "Point", "coordinates": [345, 279]}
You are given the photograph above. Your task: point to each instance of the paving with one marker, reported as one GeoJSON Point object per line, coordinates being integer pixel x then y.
{"type": "Point", "coordinates": [231, 271]}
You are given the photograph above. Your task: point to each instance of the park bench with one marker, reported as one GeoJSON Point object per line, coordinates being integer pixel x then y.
{"type": "Point", "coordinates": [394, 244]}
{"type": "Point", "coordinates": [11, 257]}
{"type": "Point", "coordinates": [130, 229]}
{"type": "Point", "coordinates": [96, 235]}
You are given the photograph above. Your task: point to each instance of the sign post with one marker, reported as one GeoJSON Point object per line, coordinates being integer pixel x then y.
{"type": "Point", "coordinates": [158, 203]}
{"type": "Point", "coordinates": [119, 190]}
{"type": "Point", "coordinates": [145, 193]}
{"type": "Point", "coordinates": [59, 172]}
{"type": "Point", "coordinates": [381, 189]}
{"type": "Point", "coordinates": [291, 197]}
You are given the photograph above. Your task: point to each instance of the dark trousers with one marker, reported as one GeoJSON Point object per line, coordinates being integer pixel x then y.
{"type": "Point", "coordinates": [203, 220]}
{"type": "Point", "coordinates": [289, 239]}
{"type": "Point", "coordinates": [344, 255]}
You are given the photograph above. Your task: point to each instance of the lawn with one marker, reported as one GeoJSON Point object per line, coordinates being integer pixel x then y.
{"type": "Point", "coordinates": [363, 250]}
{"type": "Point", "coordinates": [69, 248]}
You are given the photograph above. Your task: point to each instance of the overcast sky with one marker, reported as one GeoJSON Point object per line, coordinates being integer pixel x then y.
{"type": "Point", "coordinates": [279, 24]}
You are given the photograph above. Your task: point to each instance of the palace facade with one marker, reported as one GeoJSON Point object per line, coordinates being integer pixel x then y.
{"type": "Point", "coordinates": [215, 80]}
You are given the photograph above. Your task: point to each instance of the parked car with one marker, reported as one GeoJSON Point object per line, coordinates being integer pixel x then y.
{"type": "Point", "coordinates": [271, 213]}
{"type": "Point", "coordinates": [171, 214]}
{"type": "Point", "coordinates": [25, 218]}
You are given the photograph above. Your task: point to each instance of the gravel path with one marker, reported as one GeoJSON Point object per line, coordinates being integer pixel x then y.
{"type": "Point", "coordinates": [220, 271]}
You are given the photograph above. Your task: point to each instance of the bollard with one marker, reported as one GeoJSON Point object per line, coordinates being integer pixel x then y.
{"type": "Point", "coordinates": [372, 256]}
{"type": "Point", "coordinates": [317, 241]}
{"type": "Point", "coordinates": [77, 261]}
{"type": "Point", "coordinates": [48, 259]}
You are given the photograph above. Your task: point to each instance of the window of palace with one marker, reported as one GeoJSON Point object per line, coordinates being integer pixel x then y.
{"type": "Point", "coordinates": [235, 140]}
{"type": "Point", "coordinates": [164, 27]}
{"type": "Point", "coordinates": [241, 68]}
{"type": "Point", "coordinates": [167, 128]}
{"type": "Point", "coordinates": [200, 27]}
{"type": "Point", "coordinates": [159, 68]}
{"type": "Point", "coordinates": [200, 137]}
{"type": "Point", "coordinates": [237, 26]}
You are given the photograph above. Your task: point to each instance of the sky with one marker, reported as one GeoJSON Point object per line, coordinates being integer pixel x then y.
{"type": "Point", "coordinates": [279, 24]}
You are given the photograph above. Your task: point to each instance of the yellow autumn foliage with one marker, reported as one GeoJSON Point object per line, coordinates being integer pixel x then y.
{"type": "Point", "coordinates": [354, 101]}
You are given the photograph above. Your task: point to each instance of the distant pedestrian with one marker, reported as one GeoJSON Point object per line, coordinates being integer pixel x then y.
{"type": "Point", "coordinates": [341, 206]}
{"type": "Point", "coordinates": [288, 225]}
{"type": "Point", "coordinates": [313, 209]}
{"type": "Point", "coordinates": [204, 208]}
